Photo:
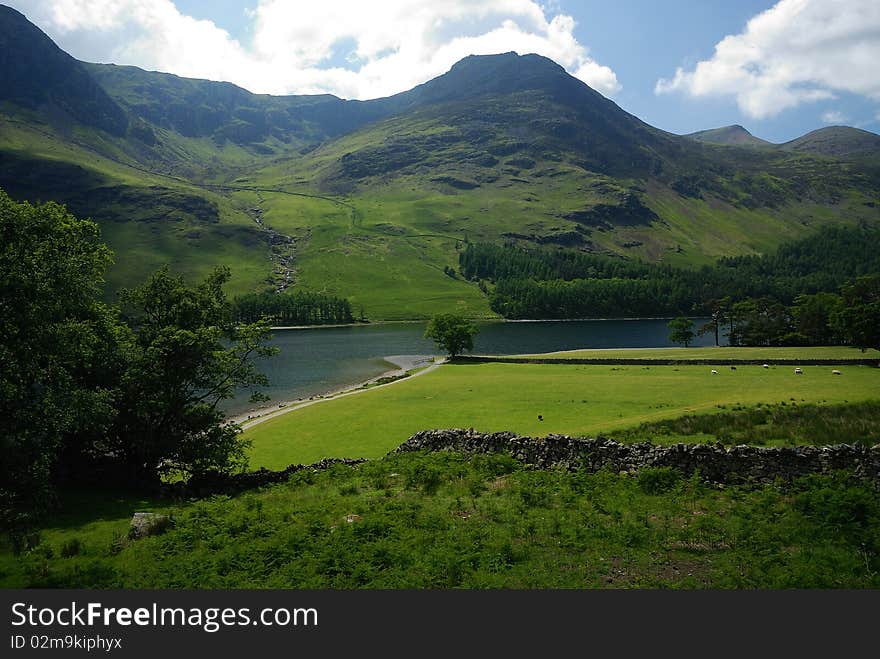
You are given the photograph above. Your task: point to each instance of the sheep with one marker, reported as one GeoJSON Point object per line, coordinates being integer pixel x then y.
{"type": "Point", "coordinates": [835, 372]}
{"type": "Point", "coordinates": [766, 366]}
{"type": "Point", "coordinates": [733, 368]}
{"type": "Point", "coordinates": [798, 371]}
{"type": "Point", "coordinates": [714, 372]}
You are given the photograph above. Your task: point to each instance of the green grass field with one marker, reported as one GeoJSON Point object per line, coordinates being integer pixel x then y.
{"type": "Point", "coordinates": [718, 352]}
{"type": "Point", "coordinates": [572, 399]}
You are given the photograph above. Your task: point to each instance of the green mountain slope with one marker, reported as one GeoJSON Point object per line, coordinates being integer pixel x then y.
{"type": "Point", "coordinates": [837, 142]}
{"type": "Point", "coordinates": [36, 75]}
{"type": "Point", "coordinates": [372, 200]}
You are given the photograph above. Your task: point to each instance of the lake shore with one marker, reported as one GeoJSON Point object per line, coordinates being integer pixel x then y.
{"type": "Point", "coordinates": [417, 321]}
{"type": "Point", "coordinates": [403, 364]}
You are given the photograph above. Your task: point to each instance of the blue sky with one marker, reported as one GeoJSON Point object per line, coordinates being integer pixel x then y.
{"type": "Point", "coordinates": [779, 69]}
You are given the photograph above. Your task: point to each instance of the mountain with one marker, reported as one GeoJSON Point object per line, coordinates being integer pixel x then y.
{"type": "Point", "coordinates": [37, 75]}
{"type": "Point", "coordinates": [372, 200]}
{"type": "Point", "coordinates": [836, 142]}
{"type": "Point", "coordinates": [734, 135]}
{"type": "Point", "coordinates": [224, 112]}
{"type": "Point", "coordinates": [842, 142]}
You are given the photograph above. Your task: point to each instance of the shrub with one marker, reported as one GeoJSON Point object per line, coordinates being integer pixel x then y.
{"type": "Point", "coordinates": [657, 480]}
{"type": "Point", "coordinates": [424, 477]}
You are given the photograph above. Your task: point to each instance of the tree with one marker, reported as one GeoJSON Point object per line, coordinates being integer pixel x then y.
{"type": "Point", "coordinates": [859, 318]}
{"type": "Point", "coordinates": [813, 316]}
{"type": "Point", "coordinates": [451, 333]}
{"type": "Point", "coordinates": [186, 356]}
{"type": "Point", "coordinates": [720, 314]}
{"type": "Point", "coordinates": [57, 349]}
{"type": "Point", "coordinates": [761, 322]}
{"type": "Point", "coordinates": [681, 330]}
{"type": "Point", "coordinates": [87, 394]}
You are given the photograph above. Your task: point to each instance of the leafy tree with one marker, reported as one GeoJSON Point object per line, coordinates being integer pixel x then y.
{"type": "Point", "coordinates": [56, 348]}
{"type": "Point", "coordinates": [451, 333]}
{"type": "Point", "coordinates": [681, 330]}
{"type": "Point", "coordinates": [813, 316]}
{"type": "Point", "coordinates": [720, 314]}
{"type": "Point", "coordinates": [761, 322]}
{"type": "Point", "coordinates": [186, 356]}
{"type": "Point", "coordinates": [293, 308]}
{"type": "Point", "coordinates": [85, 393]}
{"type": "Point", "coordinates": [860, 316]}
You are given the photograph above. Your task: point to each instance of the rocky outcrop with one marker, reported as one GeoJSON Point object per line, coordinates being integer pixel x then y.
{"type": "Point", "coordinates": [714, 462]}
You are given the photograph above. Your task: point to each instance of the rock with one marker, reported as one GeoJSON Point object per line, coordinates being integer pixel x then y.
{"type": "Point", "coordinates": [147, 524]}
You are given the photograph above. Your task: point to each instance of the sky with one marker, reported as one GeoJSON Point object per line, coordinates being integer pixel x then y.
{"type": "Point", "coordinates": [780, 69]}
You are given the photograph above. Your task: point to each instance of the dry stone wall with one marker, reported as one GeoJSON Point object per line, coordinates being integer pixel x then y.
{"type": "Point", "coordinates": [714, 462]}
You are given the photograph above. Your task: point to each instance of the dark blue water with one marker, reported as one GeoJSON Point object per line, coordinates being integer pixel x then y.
{"type": "Point", "coordinates": [315, 361]}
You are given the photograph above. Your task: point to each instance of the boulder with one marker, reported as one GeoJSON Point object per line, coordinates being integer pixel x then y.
{"type": "Point", "coordinates": [147, 524]}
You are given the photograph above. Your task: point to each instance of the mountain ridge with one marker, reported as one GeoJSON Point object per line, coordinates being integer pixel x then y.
{"type": "Point", "coordinates": [370, 200]}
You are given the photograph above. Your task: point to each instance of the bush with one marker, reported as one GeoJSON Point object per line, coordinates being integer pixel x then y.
{"type": "Point", "coordinates": [658, 480]}
{"type": "Point", "coordinates": [71, 548]}
{"type": "Point", "coordinates": [425, 477]}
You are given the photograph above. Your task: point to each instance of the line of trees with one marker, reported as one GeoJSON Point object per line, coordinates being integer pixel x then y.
{"type": "Point", "coordinates": [91, 392]}
{"type": "Point", "coordinates": [293, 308]}
{"type": "Point", "coordinates": [590, 298]}
{"type": "Point", "coordinates": [848, 317]}
{"type": "Point", "coordinates": [544, 283]}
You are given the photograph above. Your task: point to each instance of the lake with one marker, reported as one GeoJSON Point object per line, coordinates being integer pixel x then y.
{"type": "Point", "coordinates": [318, 360]}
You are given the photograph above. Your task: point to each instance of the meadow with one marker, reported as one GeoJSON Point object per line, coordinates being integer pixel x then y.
{"type": "Point", "coordinates": [744, 353]}
{"type": "Point", "coordinates": [539, 399]}
{"type": "Point", "coordinates": [446, 520]}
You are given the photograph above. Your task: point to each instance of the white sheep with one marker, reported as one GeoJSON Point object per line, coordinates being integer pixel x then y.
{"type": "Point", "coordinates": [798, 371]}
{"type": "Point", "coordinates": [766, 365]}
{"type": "Point", "coordinates": [835, 372]}
{"type": "Point", "coordinates": [714, 372]}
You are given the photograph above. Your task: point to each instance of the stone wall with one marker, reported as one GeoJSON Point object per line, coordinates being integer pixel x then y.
{"type": "Point", "coordinates": [715, 462]}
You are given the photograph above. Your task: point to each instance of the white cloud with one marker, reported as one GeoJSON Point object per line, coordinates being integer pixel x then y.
{"type": "Point", "coordinates": [351, 48]}
{"type": "Point", "coordinates": [798, 51]}
{"type": "Point", "coordinates": [834, 117]}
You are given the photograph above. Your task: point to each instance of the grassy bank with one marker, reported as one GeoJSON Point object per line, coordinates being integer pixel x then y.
{"type": "Point", "coordinates": [717, 352]}
{"type": "Point", "coordinates": [446, 521]}
{"type": "Point", "coordinates": [571, 399]}
{"type": "Point", "coordinates": [767, 425]}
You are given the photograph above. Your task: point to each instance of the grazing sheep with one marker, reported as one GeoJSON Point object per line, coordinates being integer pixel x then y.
{"type": "Point", "coordinates": [798, 371]}
{"type": "Point", "coordinates": [714, 372]}
{"type": "Point", "coordinates": [733, 368]}
{"type": "Point", "coordinates": [766, 365]}
{"type": "Point", "coordinates": [540, 417]}
{"type": "Point", "coordinates": [835, 372]}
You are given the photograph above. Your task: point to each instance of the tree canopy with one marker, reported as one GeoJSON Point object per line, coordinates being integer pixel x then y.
{"type": "Point", "coordinates": [186, 356]}
{"type": "Point", "coordinates": [453, 334]}
{"type": "Point", "coordinates": [89, 392]}
{"type": "Point", "coordinates": [56, 347]}
{"type": "Point", "coordinates": [681, 330]}
{"type": "Point", "coordinates": [859, 315]}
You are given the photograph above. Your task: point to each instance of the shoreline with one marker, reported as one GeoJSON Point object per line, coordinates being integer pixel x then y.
{"type": "Point", "coordinates": [405, 365]}
{"type": "Point", "coordinates": [416, 321]}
